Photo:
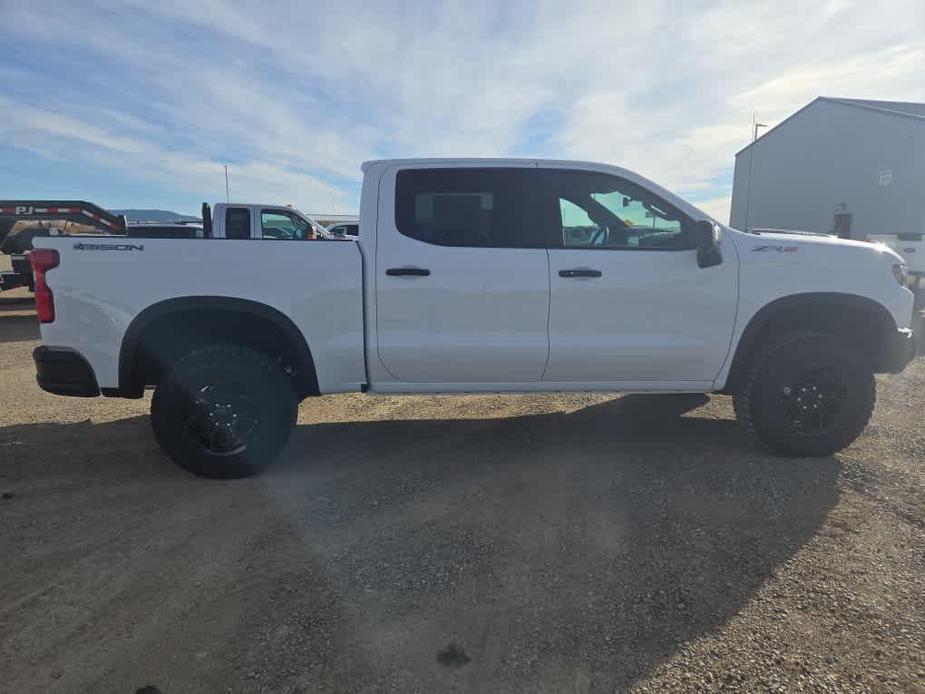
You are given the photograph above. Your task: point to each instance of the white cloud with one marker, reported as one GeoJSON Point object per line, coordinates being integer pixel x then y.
{"type": "Point", "coordinates": [55, 136]}
{"type": "Point", "coordinates": [680, 119]}
{"type": "Point", "coordinates": [21, 120]}
{"type": "Point", "coordinates": [718, 207]}
{"type": "Point", "coordinates": [895, 70]}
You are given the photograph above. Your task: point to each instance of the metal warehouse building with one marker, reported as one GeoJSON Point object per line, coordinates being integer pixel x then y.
{"type": "Point", "coordinates": [847, 166]}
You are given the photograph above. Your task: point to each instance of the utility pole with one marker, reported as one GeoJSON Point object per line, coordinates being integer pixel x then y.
{"type": "Point", "coordinates": [755, 126]}
{"type": "Point", "coordinates": [751, 159]}
{"type": "Point", "coordinates": [227, 198]}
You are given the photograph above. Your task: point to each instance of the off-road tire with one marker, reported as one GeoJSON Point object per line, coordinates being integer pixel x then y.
{"type": "Point", "coordinates": [256, 380]}
{"type": "Point", "coordinates": [763, 409]}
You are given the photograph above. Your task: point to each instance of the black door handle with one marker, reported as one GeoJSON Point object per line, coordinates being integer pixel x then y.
{"type": "Point", "coordinates": [407, 272]}
{"type": "Point", "coordinates": [579, 272]}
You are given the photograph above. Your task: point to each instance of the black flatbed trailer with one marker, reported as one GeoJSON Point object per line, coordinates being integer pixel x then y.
{"type": "Point", "coordinates": [13, 211]}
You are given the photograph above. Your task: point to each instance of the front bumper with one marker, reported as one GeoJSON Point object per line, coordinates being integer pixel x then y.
{"type": "Point", "coordinates": [64, 372]}
{"type": "Point", "coordinates": [899, 348]}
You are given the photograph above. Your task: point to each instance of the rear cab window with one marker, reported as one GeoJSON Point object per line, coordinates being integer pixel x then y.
{"type": "Point", "coordinates": [237, 223]}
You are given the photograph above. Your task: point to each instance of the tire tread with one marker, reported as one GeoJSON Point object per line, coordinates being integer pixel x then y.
{"type": "Point", "coordinates": [744, 396]}
{"type": "Point", "coordinates": [203, 358]}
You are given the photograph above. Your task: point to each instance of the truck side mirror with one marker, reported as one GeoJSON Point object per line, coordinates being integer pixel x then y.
{"type": "Point", "coordinates": [709, 253]}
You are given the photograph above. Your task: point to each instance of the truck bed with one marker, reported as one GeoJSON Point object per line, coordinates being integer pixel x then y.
{"type": "Point", "coordinates": [104, 282]}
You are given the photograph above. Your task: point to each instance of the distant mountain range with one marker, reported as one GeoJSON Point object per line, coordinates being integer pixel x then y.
{"type": "Point", "coordinates": [163, 216]}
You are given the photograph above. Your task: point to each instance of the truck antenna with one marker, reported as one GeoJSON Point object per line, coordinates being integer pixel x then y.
{"type": "Point", "coordinates": [227, 198]}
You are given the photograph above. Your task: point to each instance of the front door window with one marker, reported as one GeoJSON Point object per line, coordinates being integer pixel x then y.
{"type": "Point", "coordinates": [597, 211]}
{"type": "Point", "coordinates": [284, 225]}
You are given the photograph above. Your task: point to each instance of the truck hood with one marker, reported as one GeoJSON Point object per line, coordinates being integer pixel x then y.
{"type": "Point", "coordinates": [775, 265]}
{"type": "Point", "coordinates": [773, 243]}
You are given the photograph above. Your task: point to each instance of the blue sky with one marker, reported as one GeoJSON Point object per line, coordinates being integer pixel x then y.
{"type": "Point", "coordinates": [139, 104]}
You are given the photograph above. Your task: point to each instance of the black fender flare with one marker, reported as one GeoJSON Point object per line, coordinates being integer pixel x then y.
{"type": "Point", "coordinates": [308, 380]}
{"type": "Point", "coordinates": [794, 303]}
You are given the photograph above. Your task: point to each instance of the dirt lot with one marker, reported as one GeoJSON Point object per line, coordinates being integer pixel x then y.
{"type": "Point", "coordinates": [580, 543]}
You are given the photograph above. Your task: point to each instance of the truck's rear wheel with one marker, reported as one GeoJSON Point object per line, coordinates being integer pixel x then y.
{"type": "Point", "coordinates": [807, 394]}
{"type": "Point", "coordinates": [223, 411]}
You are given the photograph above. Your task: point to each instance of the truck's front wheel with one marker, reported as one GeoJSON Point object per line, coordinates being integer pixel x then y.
{"type": "Point", "coordinates": [807, 394]}
{"type": "Point", "coordinates": [223, 411]}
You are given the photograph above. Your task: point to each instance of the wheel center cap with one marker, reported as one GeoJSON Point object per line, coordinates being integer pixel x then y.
{"type": "Point", "coordinates": [222, 415]}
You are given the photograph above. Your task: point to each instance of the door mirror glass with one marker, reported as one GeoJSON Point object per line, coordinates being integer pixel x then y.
{"type": "Point", "coordinates": [709, 253]}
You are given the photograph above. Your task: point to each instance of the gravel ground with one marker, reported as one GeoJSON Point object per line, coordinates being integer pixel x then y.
{"type": "Point", "coordinates": [480, 543]}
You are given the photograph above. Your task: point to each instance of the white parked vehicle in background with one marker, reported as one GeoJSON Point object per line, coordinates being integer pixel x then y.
{"type": "Point", "coordinates": [911, 246]}
{"type": "Point", "coordinates": [474, 276]}
{"type": "Point", "coordinates": [233, 221]}
{"type": "Point", "coordinates": [251, 221]}
{"type": "Point", "coordinates": [345, 230]}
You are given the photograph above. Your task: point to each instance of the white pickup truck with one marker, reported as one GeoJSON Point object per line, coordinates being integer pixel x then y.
{"type": "Point", "coordinates": [251, 221]}
{"type": "Point", "coordinates": [475, 276]}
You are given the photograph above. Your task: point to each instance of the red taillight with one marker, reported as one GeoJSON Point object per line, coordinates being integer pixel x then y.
{"type": "Point", "coordinates": [43, 260]}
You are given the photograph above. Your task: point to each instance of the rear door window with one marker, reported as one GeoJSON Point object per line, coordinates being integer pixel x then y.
{"type": "Point", "coordinates": [465, 208]}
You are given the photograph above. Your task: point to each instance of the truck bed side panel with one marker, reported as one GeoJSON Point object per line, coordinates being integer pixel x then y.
{"type": "Point", "coordinates": [99, 291]}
